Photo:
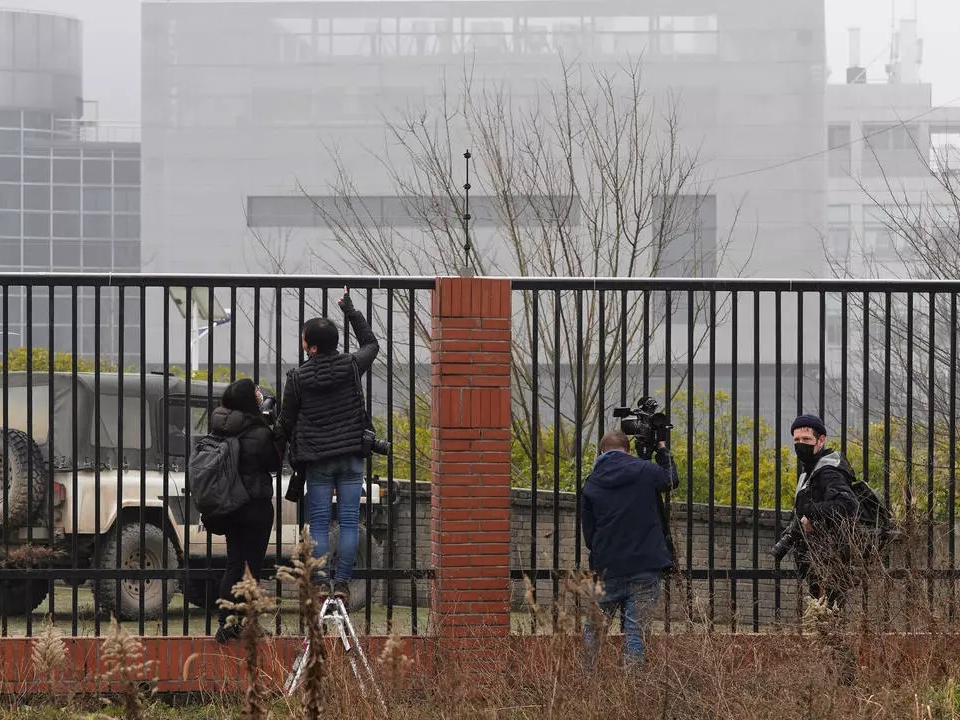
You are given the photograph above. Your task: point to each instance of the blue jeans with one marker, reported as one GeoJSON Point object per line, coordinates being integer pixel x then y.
{"type": "Point", "coordinates": [635, 598]}
{"type": "Point", "coordinates": [345, 474]}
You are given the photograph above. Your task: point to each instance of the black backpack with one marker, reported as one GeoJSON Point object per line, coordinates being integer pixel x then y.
{"type": "Point", "coordinates": [216, 487]}
{"type": "Point", "coordinates": [873, 516]}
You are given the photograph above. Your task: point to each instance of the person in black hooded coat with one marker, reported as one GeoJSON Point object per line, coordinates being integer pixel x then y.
{"type": "Point", "coordinates": [825, 511]}
{"type": "Point", "coordinates": [247, 530]}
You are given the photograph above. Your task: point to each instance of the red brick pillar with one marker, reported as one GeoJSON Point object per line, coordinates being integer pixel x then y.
{"type": "Point", "coordinates": [470, 461]}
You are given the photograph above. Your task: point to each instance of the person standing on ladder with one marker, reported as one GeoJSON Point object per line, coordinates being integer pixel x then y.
{"type": "Point", "coordinates": [323, 418]}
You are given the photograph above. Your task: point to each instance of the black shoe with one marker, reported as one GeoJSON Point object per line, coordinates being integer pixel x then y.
{"type": "Point", "coordinates": [341, 591]}
{"type": "Point", "coordinates": [228, 633]}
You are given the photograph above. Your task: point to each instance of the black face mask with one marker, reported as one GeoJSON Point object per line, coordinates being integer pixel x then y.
{"type": "Point", "coordinates": [805, 453]}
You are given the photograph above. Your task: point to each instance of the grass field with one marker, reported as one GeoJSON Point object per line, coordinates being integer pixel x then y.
{"type": "Point", "coordinates": [194, 620]}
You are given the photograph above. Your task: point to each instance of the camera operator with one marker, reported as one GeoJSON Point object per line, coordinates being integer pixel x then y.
{"type": "Point", "coordinates": [324, 418]}
{"type": "Point", "coordinates": [825, 511]}
{"type": "Point", "coordinates": [623, 530]}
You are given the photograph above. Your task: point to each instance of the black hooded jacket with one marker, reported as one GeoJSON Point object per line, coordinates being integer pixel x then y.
{"type": "Point", "coordinates": [323, 413]}
{"type": "Point", "coordinates": [620, 518]}
{"type": "Point", "coordinates": [823, 492]}
{"type": "Point", "coordinates": [258, 453]}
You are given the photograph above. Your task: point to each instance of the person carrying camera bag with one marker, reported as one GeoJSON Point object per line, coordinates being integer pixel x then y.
{"type": "Point", "coordinates": [245, 517]}
{"type": "Point", "coordinates": [323, 417]}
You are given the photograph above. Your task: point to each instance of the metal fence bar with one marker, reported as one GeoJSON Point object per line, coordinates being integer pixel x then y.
{"type": "Point", "coordinates": [534, 434]}
{"type": "Point", "coordinates": [931, 433]}
{"type": "Point", "coordinates": [141, 619]}
{"type": "Point", "coordinates": [581, 361]}
{"type": "Point", "coordinates": [667, 408]}
{"type": "Point", "coordinates": [778, 394]}
{"type": "Point", "coordinates": [734, 448]}
{"type": "Point", "coordinates": [952, 456]}
{"type": "Point", "coordinates": [412, 400]}
{"type": "Point", "coordinates": [756, 457]}
{"type": "Point", "coordinates": [391, 485]}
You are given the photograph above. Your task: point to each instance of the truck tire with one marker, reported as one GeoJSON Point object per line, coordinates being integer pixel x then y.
{"type": "Point", "coordinates": [358, 587]}
{"type": "Point", "coordinates": [23, 482]}
{"type": "Point", "coordinates": [128, 607]}
{"type": "Point", "coordinates": [14, 600]}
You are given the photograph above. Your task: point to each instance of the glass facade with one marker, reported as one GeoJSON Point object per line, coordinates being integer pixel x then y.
{"type": "Point", "coordinates": [67, 204]}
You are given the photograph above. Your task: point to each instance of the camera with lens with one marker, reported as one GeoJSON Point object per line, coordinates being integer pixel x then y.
{"type": "Point", "coordinates": [645, 424]}
{"type": "Point", "coordinates": [787, 541]}
{"type": "Point", "coordinates": [371, 444]}
{"type": "Point", "coordinates": [268, 408]}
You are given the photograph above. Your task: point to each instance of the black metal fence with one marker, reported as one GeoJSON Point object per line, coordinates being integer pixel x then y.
{"type": "Point", "coordinates": [119, 376]}
{"type": "Point", "coordinates": [103, 395]}
{"type": "Point", "coordinates": [732, 363]}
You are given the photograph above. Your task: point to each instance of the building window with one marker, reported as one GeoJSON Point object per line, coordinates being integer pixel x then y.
{"type": "Point", "coordinates": [126, 200]}
{"type": "Point", "coordinates": [126, 172]}
{"type": "Point", "coordinates": [945, 151]}
{"type": "Point", "coordinates": [126, 226]}
{"type": "Point", "coordinates": [96, 199]}
{"type": "Point", "coordinates": [66, 198]}
{"type": "Point", "coordinates": [9, 118]}
{"type": "Point", "coordinates": [893, 151]}
{"type": "Point", "coordinates": [97, 172]}
{"type": "Point", "coordinates": [36, 170]}
{"type": "Point", "coordinates": [838, 231]}
{"type": "Point", "coordinates": [66, 254]}
{"type": "Point", "coordinates": [36, 253]}
{"type": "Point", "coordinates": [881, 237]}
{"type": "Point", "coordinates": [9, 197]}
{"type": "Point", "coordinates": [10, 142]}
{"type": "Point", "coordinates": [838, 142]}
{"type": "Point", "coordinates": [407, 211]}
{"type": "Point", "coordinates": [97, 226]}
{"type": "Point", "coordinates": [66, 170]}
{"type": "Point", "coordinates": [10, 224]}
{"type": "Point", "coordinates": [36, 197]}
{"type": "Point", "coordinates": [9, 169]}
{"type": "Point", "coordinates": [688, 35]}
{"type": "Point", "coordinates": [97, 255]}
{"type": "Point", "coordinates": [66, 225]}
{"type": "Point", "coordinates": [10, 257]}
{"type": "Point", "coordinates": [36, 224]}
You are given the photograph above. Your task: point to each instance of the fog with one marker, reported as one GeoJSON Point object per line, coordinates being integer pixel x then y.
{"type": "Point", "coordinates": [112, 45]}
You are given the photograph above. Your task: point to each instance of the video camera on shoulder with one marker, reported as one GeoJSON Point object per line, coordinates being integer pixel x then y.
{"type": "Point", "coordinates": [645, 424]}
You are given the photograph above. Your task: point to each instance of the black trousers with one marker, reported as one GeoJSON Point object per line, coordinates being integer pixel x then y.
{"type": "Point", "coordinates": [248, 535]}
{"type": "Point", "coordinates": [826, 568]}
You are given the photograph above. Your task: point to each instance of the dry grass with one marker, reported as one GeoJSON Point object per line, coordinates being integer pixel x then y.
{"type": "Point", "coordinates": [838, 663]}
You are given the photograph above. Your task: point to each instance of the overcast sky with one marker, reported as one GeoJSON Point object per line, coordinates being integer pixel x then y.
{"type": "Point", "coordinates": [112, 45]}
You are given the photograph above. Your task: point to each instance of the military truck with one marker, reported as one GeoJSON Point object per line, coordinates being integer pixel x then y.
{"type": "Point", "coordinates": [94, 468]}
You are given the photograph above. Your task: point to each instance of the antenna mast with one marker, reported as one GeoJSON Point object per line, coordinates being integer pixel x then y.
{"type": "Point", "coordinates": [466, 271]}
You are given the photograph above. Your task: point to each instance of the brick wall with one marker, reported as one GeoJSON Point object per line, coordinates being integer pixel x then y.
{"type": "Point", "coordinates": [681, 605]}
{"type": "Point", "coordinates": [470, 460]}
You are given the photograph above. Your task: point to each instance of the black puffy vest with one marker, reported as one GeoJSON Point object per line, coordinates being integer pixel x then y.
{"type": "Point", "coordinates": [332, 414]}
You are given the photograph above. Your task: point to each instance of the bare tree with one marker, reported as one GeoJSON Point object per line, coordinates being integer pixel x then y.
{"type": "Point", "coordinates": [586, 177]}
{"type": "Point", "coordinates": [908, 341]}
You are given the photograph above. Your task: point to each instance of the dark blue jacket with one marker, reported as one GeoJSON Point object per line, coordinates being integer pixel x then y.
{"type": "Point", "coordinates": [621, 523]}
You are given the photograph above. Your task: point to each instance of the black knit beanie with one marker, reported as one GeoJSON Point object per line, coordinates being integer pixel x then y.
{"type": "Point", "coordinates": [809, 421]}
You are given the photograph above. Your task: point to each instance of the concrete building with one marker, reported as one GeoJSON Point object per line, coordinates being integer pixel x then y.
{"type": "Point", "coordinates": [893, 166]}
{"type": "Point", "coordinates": [69, 187]}
{"type": "Point", "coordinates": [241, 101]}
{"type": "Point", "coordinates": [888, 142]}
